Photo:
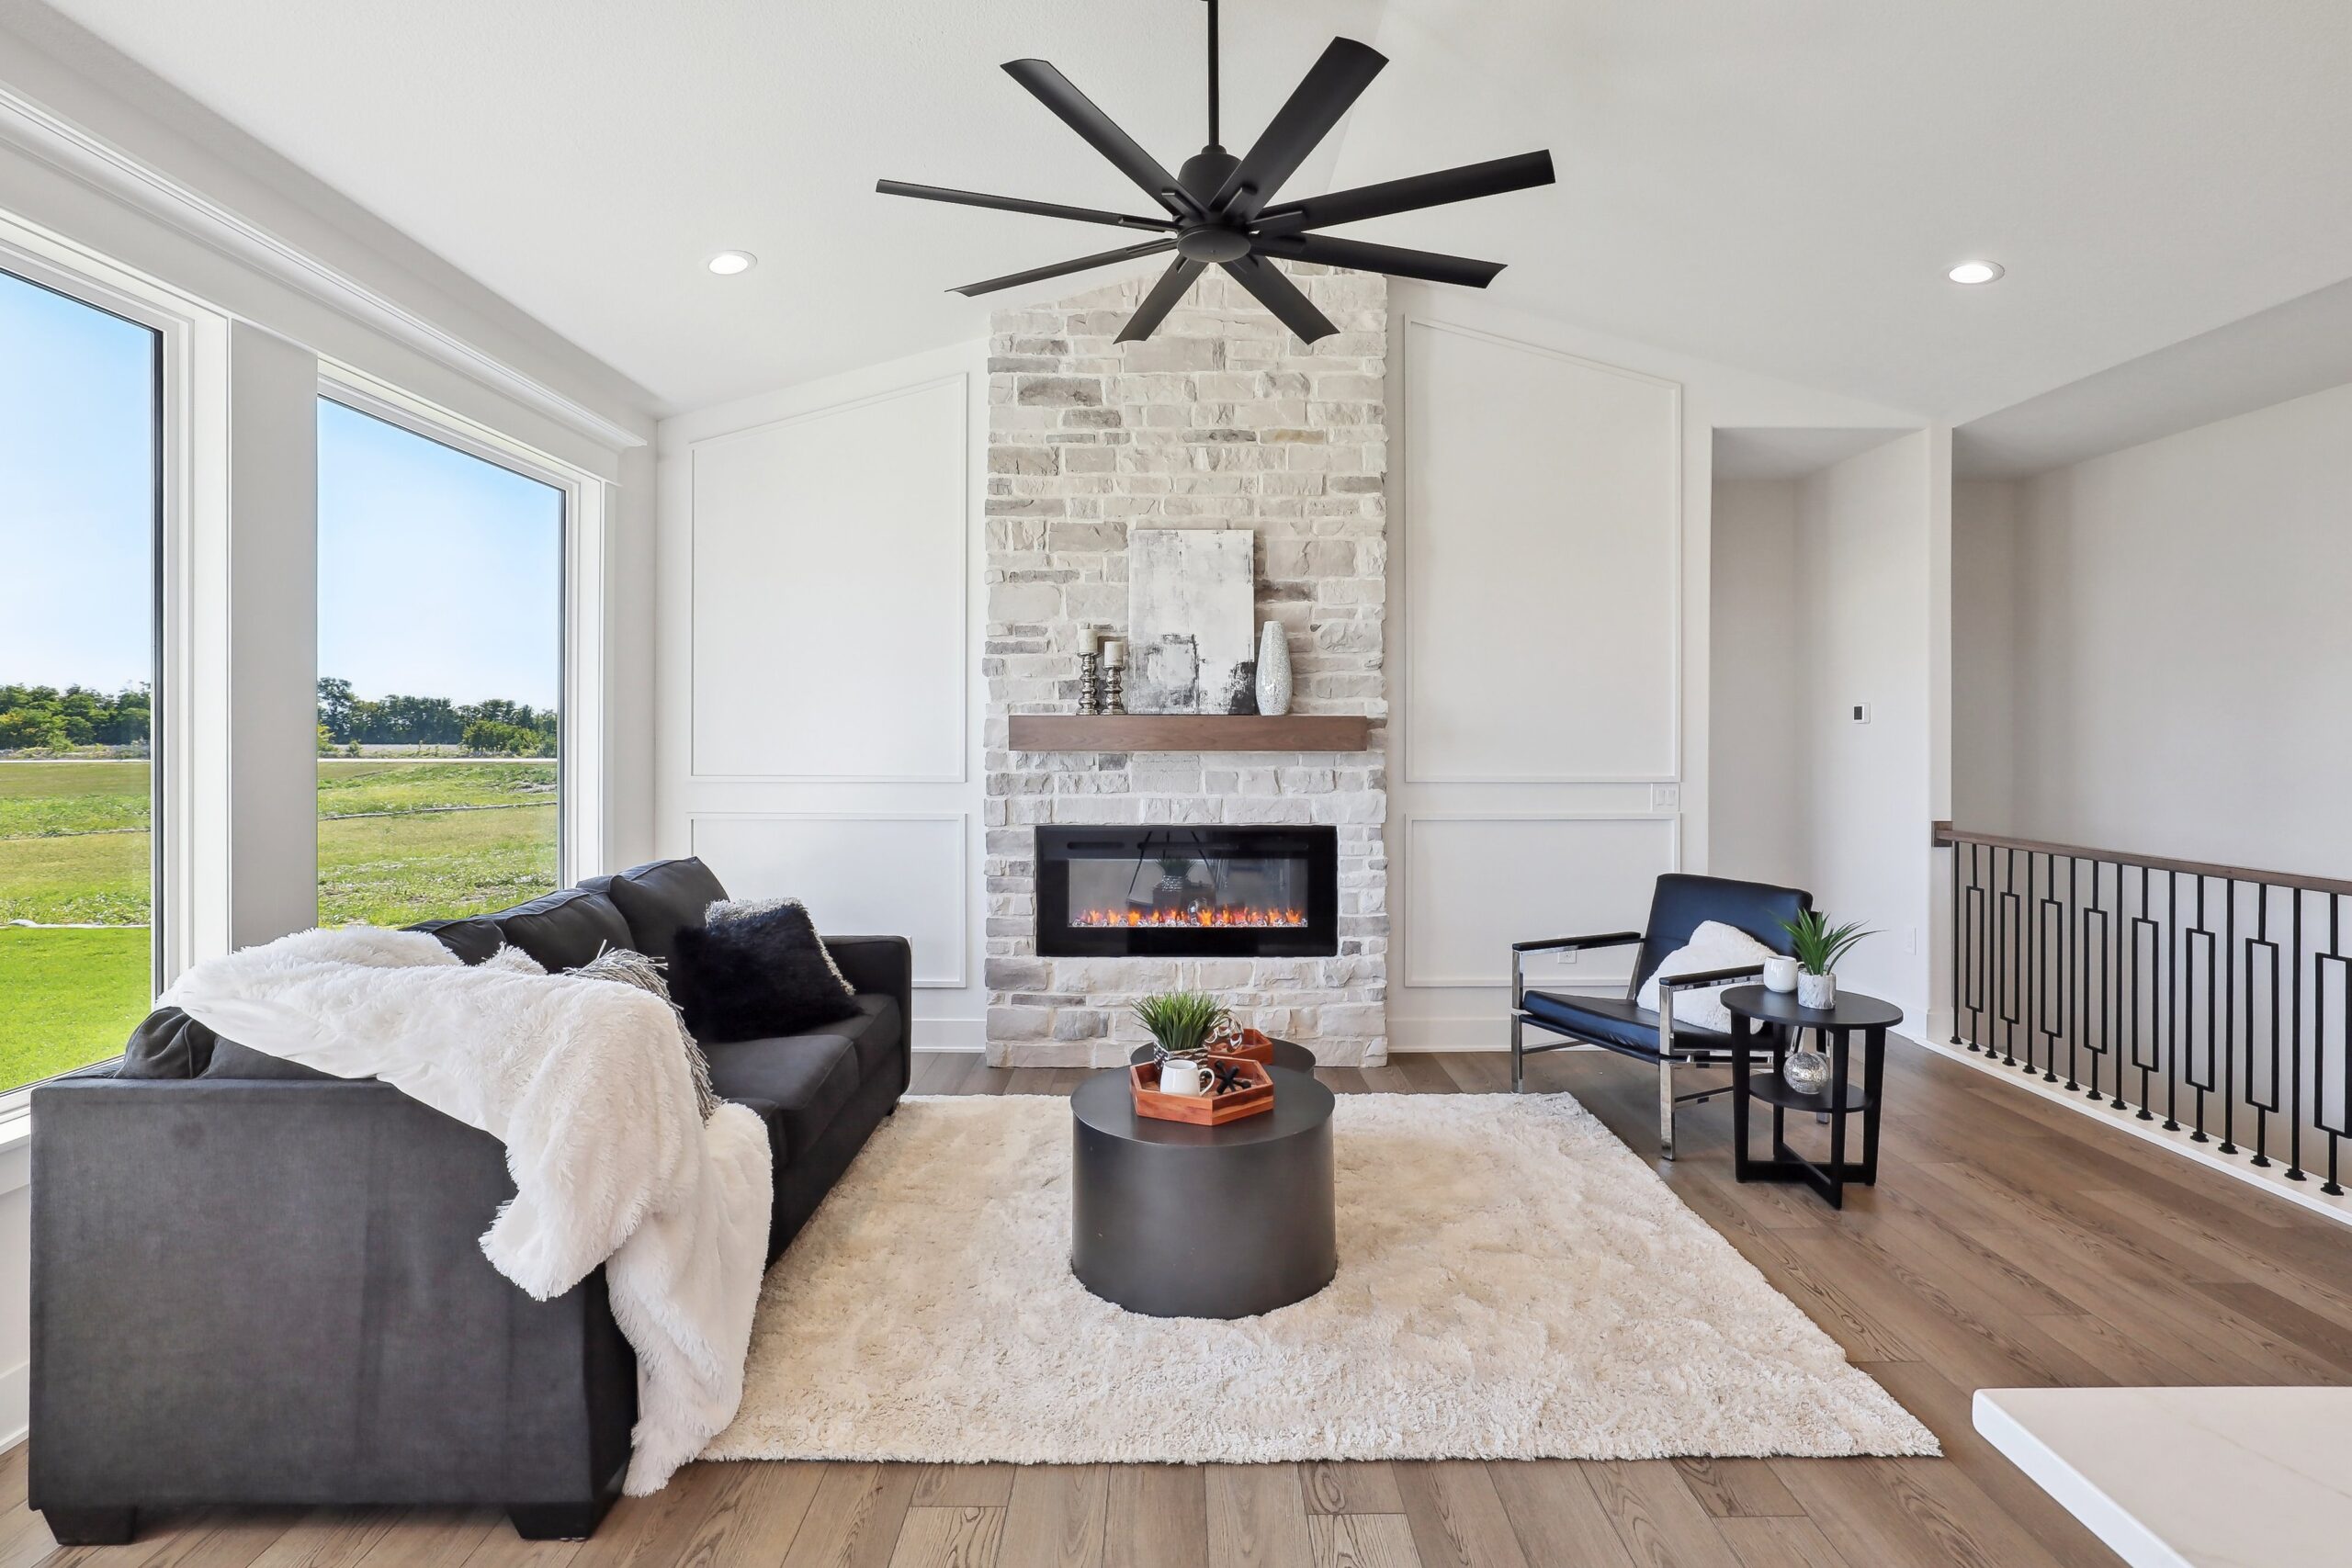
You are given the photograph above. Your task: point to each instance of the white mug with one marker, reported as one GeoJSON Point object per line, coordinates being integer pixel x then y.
{"type": "Point", "coordinates": [1179, 1076]}
{"type": "Point", "coordinates": [1780, 974]}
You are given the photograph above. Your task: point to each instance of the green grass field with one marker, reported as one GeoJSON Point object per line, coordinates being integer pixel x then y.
{"type": "Point", "coordinates": [398, 841]}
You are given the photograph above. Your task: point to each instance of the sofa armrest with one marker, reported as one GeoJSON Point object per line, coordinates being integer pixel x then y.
{"type": "Point", "coordinates": [273, 1291]}
{"type": "Point", "coordinates": [878, 965]}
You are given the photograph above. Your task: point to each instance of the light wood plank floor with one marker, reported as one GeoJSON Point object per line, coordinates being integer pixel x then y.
{"type": "Point", "coordinates": [2009, 1243]}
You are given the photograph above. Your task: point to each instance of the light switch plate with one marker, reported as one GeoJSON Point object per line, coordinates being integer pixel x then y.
{"type": "Point", "coordinates": [1665, 797]}
{"type": "Point", "coordinates": [1861, 712]}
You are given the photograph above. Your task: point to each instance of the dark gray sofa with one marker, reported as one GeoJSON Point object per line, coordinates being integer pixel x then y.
{"type": "Point", "coordinates": [253, 1283]}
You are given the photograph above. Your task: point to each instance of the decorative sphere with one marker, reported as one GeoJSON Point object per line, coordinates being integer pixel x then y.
{"type": "Point", "coordinates": [1807, 1072]}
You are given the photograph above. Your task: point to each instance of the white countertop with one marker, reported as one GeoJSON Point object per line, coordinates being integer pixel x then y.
{"type": "Point", "coordinates": [2189, 1477]}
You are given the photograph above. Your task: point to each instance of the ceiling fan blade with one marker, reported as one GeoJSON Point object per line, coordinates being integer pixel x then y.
{"type": "Point", "coordinates": [1039, 274]}
{"type": "Point", "coordinates": [1162, 299]}
{"type": "Point", "coordinates": [1280, 295]}
{"type": "Point", "coordinates": [1329, 90]}
{"type": "Point", "coordinates": [1020, 204]}
{"type": "Point", "coordinates": [1394, 260]}
{"type": "Point", "coordinates": [1491, 179]}
{"type": "Point", "coordinates": [1078, 111]}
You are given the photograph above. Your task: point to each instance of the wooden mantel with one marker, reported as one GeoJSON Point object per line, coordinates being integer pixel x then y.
{"type": "Point", "coordinates": [1188, 732]}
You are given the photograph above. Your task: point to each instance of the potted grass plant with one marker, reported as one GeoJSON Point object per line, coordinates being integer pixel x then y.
{"type": "Point", "coordinates": [1181, 1024]}
{"type": "Point", "coordinates": [1818, 946]}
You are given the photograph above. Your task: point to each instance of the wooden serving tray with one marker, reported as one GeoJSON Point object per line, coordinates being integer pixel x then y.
{"type": "Point", "coordinates": [1200, 1110]}
{"type": "Point", "coordinates": [1254, 1047]}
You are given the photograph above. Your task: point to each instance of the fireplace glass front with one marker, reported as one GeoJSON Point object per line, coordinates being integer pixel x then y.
{"type": "Point", "coordinates": [1187, 891]}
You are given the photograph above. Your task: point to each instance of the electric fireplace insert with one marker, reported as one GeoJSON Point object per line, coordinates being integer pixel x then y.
{"type": "Point", "coordinates": [1188, 892]}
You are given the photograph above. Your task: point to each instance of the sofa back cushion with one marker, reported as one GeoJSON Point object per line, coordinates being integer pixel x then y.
{"type": "Point", "coordinates": [658, 899]}
{"type": "Point", "coordinates": [473, 939]}
{"type": "Point", "coordinates": [169, 1045]}
{"type": "Point", "coordinates": [564, 929]}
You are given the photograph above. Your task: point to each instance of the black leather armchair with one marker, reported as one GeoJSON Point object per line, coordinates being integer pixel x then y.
{"type": "Point", "coordinates": [1677, 907]}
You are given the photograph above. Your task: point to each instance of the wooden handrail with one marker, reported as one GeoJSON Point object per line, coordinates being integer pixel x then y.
{"type": "Point", "coordinates": [1946, 834]}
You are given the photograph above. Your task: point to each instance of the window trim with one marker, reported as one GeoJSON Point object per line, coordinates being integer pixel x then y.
{"type": "Point", "coordinates": [188, 825]}
{"type": "Point", "coordinates": [581, 847]}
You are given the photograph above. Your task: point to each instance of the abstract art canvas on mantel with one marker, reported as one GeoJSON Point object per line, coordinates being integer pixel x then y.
{"type": "Point", "coordinates": [1191, 613]}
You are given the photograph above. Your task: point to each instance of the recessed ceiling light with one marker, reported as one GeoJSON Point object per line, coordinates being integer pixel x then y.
{"type": "Point", "coordinates": [1966, 271]}
{"type": "Point", "coordinates": [726, 263]}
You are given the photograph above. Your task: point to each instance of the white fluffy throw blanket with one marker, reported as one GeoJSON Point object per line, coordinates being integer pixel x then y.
{"type": "Point", "coordinates": [585, 1083]}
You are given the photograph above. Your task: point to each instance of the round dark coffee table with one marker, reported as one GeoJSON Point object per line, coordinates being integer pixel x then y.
{"type": "Point", "coordinates": [1297, 1058]}
{"type": "Point", "coordinates": [1172, 1220]}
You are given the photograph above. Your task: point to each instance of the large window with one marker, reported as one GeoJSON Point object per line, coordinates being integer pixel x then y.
{"type": "Point", "coordinates": [79, 523]}
{"type": "Point", "coordinates": [440, 676]}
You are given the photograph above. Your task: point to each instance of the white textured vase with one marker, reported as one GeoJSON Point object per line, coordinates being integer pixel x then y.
{"type": "Point", "coordinates": [1273, 670]}
{"type": "Point", "coordinates": [1780, 974]}
{"type": "Point", "coordinates": [1818, 991]}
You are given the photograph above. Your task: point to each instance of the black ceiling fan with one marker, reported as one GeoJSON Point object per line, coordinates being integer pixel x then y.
{"type": "Point", "coordinates": [1216, 207]}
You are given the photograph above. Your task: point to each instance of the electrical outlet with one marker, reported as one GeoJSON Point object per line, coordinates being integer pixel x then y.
{"type": "Point", "coordinates": [1911, 939]}
{"type": "Point", "coordinates": [1665, 797]}
{"type": "Point", "coordinates": [1861, 713]}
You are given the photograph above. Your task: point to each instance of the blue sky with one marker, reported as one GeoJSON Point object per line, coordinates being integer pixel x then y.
{"type": "Point", "coordinates": [439, 574]}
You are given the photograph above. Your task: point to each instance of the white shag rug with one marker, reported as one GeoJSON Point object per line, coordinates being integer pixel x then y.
{"type": "Point", "coordinates": [1513, 1283]}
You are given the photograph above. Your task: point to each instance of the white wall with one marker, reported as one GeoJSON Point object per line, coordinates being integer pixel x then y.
{"type": "Point", "coordinates": [818, 660]}
{"type": "Point", "coordinates": [2182, 644]}
{"type": "Point", "coordinates": [1984, 654]}
{"type": "Point", "coordinates": [1867, 542]}
{"type": "Point", "coordinates": [1761, 828]}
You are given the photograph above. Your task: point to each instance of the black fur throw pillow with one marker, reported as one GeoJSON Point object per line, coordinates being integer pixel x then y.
{"type": "Point", "coordinates": [752, 970]}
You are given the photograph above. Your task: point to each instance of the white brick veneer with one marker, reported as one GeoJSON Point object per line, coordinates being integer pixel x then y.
{"type": "Point", "coordinates": [1221, 420]}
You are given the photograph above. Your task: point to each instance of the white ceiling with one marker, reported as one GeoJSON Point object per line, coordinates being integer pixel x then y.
{"type": "Point", "coordinates": [1774, 186]}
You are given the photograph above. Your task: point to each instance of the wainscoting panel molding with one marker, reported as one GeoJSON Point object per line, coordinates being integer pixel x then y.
{"type": "Point", "coordinates": [1479, 881]}
{"type": "Point", "coordinates": [1541, 554]}
{"type": "Point", "coordinates": [831, 559]}
{"type": "Point", "coordinates": [901, 874]}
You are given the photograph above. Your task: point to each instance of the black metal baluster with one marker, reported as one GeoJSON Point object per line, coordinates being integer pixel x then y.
{"type": "Point", "coordinates": [2070, 953]}
{"type": "Point", "coordinates": [2262, 1108]}
{"type": "Point", "coordinates": [2188, 992]}
{"type": "Point", "coordinates": [2333, 1186]}
{"type": "Point", "coordinates": [1955, 943]}
{"type": "Point", "coordinates": [1980, 968]}
{"type": "Point", "coordinates": [2115, 983]}
{"type": "Point", "coordinates": [2295, 1057]}
{"type": "Point", "coordinates": [2227, 1045]}
{"type": "Point", "coordinates": [2170, 1034]}
{"type": "Point", "coordinates": [2003, 1003]}
{"type": "Point", "coordinates": [2156, 1022]}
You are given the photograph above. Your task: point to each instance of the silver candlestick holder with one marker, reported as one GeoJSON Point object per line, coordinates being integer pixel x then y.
{"type": "Point", "coordinates": [1114, 675]}
{"type": "Point", "coordinates": [1090, 682]}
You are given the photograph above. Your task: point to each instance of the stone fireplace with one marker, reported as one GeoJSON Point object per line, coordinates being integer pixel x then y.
{"type": "Point", "coordinates": [1221, 420]}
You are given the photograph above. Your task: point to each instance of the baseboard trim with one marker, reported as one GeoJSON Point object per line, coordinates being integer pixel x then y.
{"type": "Point", "coordinates": [2304, 1194]}
{"type": "Point", "coordinates": [15, 1404]}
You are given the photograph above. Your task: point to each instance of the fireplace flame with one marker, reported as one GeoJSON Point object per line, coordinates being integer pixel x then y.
{"type": "Point", "coordinates": [1189, 920]}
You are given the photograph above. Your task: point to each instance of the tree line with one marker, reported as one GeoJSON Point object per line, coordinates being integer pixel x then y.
{"type": "Point", "coordinates": [43, 718]}
{"type": "Point", "coordinates": [492, 727]}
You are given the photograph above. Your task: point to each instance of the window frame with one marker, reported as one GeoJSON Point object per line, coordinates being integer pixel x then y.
{"type": "Point", "coordinates": [189, 690]}
{"type": "Point", "coordinates": [581, 682]}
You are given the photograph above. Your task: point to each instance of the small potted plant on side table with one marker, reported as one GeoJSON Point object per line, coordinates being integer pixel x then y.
{"type": "Point", "coordinates": [1818, 946]}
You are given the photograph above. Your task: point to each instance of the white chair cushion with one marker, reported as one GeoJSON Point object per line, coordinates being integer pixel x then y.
{"type": "Point", "coordinates": [1714, 945]}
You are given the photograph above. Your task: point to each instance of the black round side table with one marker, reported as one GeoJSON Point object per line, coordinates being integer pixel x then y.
{"type": "Point", "coordinates": [1853, 1014]}
{"type": "Point", "coordinates": [1297, 1058]}
{"type": "Point", "coordinates": [1173, 1220]}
